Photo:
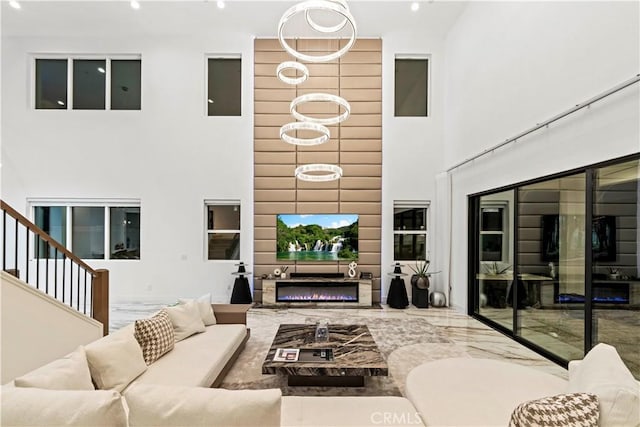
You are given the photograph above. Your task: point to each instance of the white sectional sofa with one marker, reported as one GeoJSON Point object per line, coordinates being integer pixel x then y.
{"type": "Point", "coordinates": [174, 390]}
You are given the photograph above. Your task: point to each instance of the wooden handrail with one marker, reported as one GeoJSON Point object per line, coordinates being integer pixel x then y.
{"type": "Point", "coordinates": [44, 236]}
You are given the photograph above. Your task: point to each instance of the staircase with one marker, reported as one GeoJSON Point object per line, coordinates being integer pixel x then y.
{"type": "Point", "coordinates": [37, 259]}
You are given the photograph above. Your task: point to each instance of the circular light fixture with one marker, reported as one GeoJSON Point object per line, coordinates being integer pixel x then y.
{"type": "Point", "coordinates": [298, 66]}
{"type": "Point", "coordinates": [324, 5]}
{"type": "Point", "coordinates": [135, 4]}
{"type": "Point", "coordinates": [315, 127]}
{"type": "Point", "coordinates": [320, 97]}
{"type": "Point", "coordinates": [415, 6]}
{"type": "Point", "coordinates": [14, 4]}
{"type": "Point", "coordinates": [220, 4]}
{"type": "Point", "coordinates": [322, 28]}
{"type": "Point", "coordinates": [325, 172]}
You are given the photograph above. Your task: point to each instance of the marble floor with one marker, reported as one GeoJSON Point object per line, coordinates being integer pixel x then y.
{"type": "Point", "coordinates": [407, 338]}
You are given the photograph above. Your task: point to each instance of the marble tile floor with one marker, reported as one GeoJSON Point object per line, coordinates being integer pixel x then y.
{"type": "Point", "coordinates": [407, 338]}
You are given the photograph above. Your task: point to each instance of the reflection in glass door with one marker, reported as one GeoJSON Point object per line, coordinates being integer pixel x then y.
{"type": "Point", "coordinates": [494, 269]}
{"type": "Point", "coordinates": [616, 260]}
{"type": "Point", "coordinates": [551, 265]}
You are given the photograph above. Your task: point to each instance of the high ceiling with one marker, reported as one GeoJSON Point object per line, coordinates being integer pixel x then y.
{"type": "Point", "coordinates": [186, 17]}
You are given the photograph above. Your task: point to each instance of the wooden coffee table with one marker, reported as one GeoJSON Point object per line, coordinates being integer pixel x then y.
{"type": "Point", "coordinates": [356, 356]}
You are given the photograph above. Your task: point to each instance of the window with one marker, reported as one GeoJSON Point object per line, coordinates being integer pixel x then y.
{"type": "Point", "coordinates": [223, 230]}
{"type": "Point", "coordinates": [224, 86]}
{"type": "Point", "coordinates": [410, 231]}
{"type": "Point", "coordinates": [91, 81]}
{"type": "Point", "coordinates": [411, 87]}
{"type": "Point", "coordinates": [492, 233]}
{"type": "Point", "coordinates": [90, 232]}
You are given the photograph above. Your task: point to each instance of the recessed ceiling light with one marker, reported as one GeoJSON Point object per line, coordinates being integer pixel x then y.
{"type": "Point", "coordinates": [102, 70]}
{"type": "Point", "coordinates": [14, 4]}
{"type": "Point", "coordinates": [135, 4]}
{"type": "Point", "coordinates": [60, 102]}
{"type": "Point", "coordinates": [220, 4]}
{"type": "Point", "coordinates": [415, 6]}
{"type": "Point", "coordinates": [210, 101]}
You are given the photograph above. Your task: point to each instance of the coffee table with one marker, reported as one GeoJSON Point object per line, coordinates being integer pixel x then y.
{"type": "Point", "coordinates": [356, 356]}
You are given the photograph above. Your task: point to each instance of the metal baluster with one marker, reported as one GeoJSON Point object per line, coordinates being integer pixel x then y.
{"type": "Point", "coordinates": [4, 240]}
{"type": "Point", "coordinates": [78, 304]}
{"type": "Point", "coordinates": [37, 258]}
{"type": "Point", "coordinates": [71, 283]}
{"type": "Point", "coordinates": [46, 272]}
{"type": "Point", "coordinates": [26, 229]}
{"type": "Point", "coordinates": [85, 291]}
{"type": "Point", "coordinates": [55, 273]}
{"type": "Point", "coordinates": [15, 249]}
{"type": "Point", "coordinates": [64, 264]}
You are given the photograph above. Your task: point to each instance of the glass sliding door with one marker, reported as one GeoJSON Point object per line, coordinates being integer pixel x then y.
{"type": "Point", "coordinates": [551, 265]}
{"type": "Point", "coordinates": [615, 268]}
{"type": "Point", "coordinates": [494, 258]}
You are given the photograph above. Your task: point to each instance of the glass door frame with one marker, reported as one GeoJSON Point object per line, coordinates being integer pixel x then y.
{"type": "Point", "coordinates": [473, 247]}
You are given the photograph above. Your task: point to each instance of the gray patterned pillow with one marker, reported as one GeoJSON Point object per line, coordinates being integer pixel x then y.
{"type": "Point", "coordinates": [562, 410]}
{"type": "Point", "coordinates": [155, 336]}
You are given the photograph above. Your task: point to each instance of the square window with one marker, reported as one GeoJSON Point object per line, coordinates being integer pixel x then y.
{"type": "Point", "coordinates": [224, 86]}
{"type": "Point", "coordinates": [411, 87]}
{"type": "Point", "coordinates": [89, 84]}
{"type": "Point", "coordinates": [51, 84]}
{"type": "Point", "coordinates": [53, 221]}
{"type": "Point", "coordinates": [88, 232]}
{"type": "Point", "coordinates": [224, 246]}
{"type": "Point", "coordinates": [126, 84]}
{"type": "Point", "coordinates": [124, 235]}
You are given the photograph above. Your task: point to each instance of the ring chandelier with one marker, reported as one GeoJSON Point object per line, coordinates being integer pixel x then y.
{"type": "Point", "coordinates": [314, 172]}
{"type": "Point", "coordinates": [325, 172]}
{"type": "Point", "coordinates": [320, 97]}
{"type": "Point", "coordinates": [315, 127]}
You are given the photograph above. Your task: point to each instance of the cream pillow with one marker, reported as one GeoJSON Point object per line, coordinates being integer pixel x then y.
{"type": "Point", "coordinates": [26, 406]}
{"type": "Point", "coordinates": [157, 405]}
{"type": "Point", "coordinates": [604, 374]}
{"type": "Point", "coordinates": [185, 319]}
{"type": "Point", "coordinates": [204, 305]}
{"type": "Point", "coordinates": [69, 373]}
{"type": "Point", "coordinates": [115, 360]}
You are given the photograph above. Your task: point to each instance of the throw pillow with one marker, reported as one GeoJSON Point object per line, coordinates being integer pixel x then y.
{"type": "Point", "coordinates": [26, 406]}
{"type": "Point", "coordinates": [603, 373]}
{"type": "Point", "coordinates": [159, 405]}
{"type": "Point", "coordinates": [204, 305]}
{"type": "Point", "coordinates": [563, 410]}
{"type": "Point", "coordinates": [69, 373]}
{"type": "Point", "coordinates": [185, 319]}
{"type": "Point", "coordinates": [155, 336]}
{"type": "Point", "coordinates": [115, 360]}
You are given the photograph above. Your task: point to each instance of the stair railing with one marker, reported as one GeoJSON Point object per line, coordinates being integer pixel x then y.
{"type": "Point", "coordinates": [56, 270]}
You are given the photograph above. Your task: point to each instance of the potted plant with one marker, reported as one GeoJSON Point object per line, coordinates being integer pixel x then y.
{"type": "Point", "coordinates": [420, 279]}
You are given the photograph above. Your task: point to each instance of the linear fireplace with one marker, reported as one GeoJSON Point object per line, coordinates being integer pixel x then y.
{"type": "Point", "coordinates": [317, 291]}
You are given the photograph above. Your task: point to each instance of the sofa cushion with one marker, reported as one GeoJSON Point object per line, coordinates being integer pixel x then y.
{"type": "Point", "coordinates": [204, 306]}
{"type": "Point", "coordinates": [352, 411]}
{"type": "Point", "coordinates": [185, 319]}
{"type": "Point", "coordinates": [604, 374]}
{"type": "Point", "coordinates": [485, 390]}
{"type": "Point", "coordinates": [157, 405]}
{"type": "Point", "coordinates": [563, 410]}
{"type": "Point", "coordinates": [41, 407]}
{"type": "Point", "coordinates": [68, 373]}
{"type": "Point", "coordinates": [155, 336]}
{"type": "Point", "coordinates": [115, 360]}
{"type": "Point", "coordinates": [197, 360]}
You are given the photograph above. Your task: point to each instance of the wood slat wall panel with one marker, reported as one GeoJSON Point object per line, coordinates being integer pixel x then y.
{"type": "Point", "coordinates": [355, 145]}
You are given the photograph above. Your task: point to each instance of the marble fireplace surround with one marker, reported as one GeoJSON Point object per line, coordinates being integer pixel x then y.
{"type": "Point", "coordinates": [364, 292]}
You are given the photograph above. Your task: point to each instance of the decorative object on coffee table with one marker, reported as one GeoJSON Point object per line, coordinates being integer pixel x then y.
{"type": "Point", "coordinates": [241, 292]}
{"type": "Point", "coordinates": [397, 296]}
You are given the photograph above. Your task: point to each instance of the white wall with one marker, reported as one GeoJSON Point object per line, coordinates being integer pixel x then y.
{"type": "Point", "coordinates": [171, 156]}
{"type": "Point", "coordinates": [511, 65]}
{"type": "Point", "coordinates": [37, 329]}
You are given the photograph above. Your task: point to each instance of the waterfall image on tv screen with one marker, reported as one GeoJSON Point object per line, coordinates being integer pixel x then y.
{"type": "Point", "coordinates": [318, 237]}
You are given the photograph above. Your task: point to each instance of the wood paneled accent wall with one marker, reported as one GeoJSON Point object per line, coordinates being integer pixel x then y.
{"type": "Point", "coordinates": [355, 145]}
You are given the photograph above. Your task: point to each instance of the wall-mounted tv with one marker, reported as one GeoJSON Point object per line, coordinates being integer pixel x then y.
{"type": "Point", "coordinates": [603, 237]}
{"type": "Point", "coordinates": [317, 237]}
